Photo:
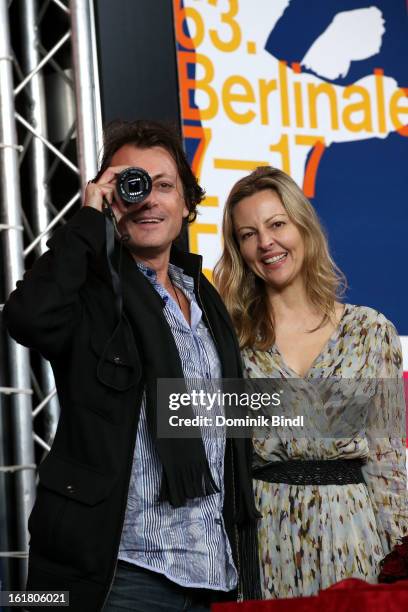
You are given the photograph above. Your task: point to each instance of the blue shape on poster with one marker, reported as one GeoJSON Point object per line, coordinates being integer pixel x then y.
{"type": "Point", "coordinates": [361, 187]}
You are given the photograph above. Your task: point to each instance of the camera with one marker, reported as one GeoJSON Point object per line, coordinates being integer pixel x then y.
{"type": "Point", "coordinates": [133, 185]}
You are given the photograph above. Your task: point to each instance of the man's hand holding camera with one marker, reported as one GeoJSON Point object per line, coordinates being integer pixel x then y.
{"type": "Point", "coordinates": [116, 191]}
{"type": "Point", "coordinates": [105, 189]}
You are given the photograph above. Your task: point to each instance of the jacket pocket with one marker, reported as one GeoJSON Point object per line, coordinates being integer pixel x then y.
{"type": "Point", "coordinates": [69, 515]}
{"type": "Point", "coordinates": [119, 364]}
{"type": "Point", "coordinates": [74, 480]}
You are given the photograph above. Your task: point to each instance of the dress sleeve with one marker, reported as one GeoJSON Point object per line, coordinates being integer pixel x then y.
{"type": "Point", "coordinates": [385, 471]}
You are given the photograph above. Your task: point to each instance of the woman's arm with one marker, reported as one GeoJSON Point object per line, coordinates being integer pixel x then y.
{"type": "Point", "coordinates": [385, 472]}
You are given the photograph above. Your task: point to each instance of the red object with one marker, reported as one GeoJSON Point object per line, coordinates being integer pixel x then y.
{"type": "Point", "coordinates": [349, 595]}
{"type": "Point", "coordinates": [395, 565]}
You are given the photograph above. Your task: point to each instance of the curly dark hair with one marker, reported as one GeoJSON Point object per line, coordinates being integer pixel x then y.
{"type": "Point", "coordinates": [144, 135]}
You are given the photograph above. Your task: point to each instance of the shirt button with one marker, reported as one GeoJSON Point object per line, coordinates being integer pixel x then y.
{"type": "Point", "coordinates": [70, 488]}
{"type": "Point", "coordinates": [218, 521]}
{"type": "Point", "coordinates": [117, 359]}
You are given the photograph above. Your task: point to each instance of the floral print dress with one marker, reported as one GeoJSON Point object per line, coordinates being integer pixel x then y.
{"type": "Point", "coordinates": [311, 536]}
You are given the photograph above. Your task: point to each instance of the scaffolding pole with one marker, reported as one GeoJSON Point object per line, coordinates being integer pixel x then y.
{"type": "Point", "coordinates": [87, 93]}
{"type": "Point", "coordinates": [38, 173]}
{"type": "Point", "coordinates": [21, 416]}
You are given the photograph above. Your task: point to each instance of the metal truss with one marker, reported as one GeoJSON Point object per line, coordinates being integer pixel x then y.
{"type": "Point", "coordinates": [41, 177]}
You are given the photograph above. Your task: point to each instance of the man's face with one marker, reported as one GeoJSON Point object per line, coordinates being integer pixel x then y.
{"type": "Point", "coordinates": [156, 222]}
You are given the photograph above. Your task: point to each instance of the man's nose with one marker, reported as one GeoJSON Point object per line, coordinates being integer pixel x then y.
{"type": "Point", "coordinates": [146, 204]}
{"type": "Point", "coordinates": [150, 201]}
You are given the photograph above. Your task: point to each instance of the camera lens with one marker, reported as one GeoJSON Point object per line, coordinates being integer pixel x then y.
{"type": "Point", "coordinates": [133, 185]}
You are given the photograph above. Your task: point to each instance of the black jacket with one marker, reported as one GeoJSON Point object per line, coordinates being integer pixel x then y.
{"type": "Point", "coordinates": [65, 309]}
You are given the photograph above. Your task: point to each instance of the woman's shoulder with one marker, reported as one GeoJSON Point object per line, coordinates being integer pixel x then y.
{"type": "Point", "coordinates": [260, 363]}
{"type": "Point", "coordinates": [372, 331]}
{"type": "Point", "coordinates": [252, 354]}
{"type": "Point", "coordinates": [382, 340]}
{"type": "Point", "coordinates": [366, 316]}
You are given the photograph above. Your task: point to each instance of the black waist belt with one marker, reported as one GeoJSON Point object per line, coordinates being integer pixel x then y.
{"type": "Point", "coordinates": [312, 472]}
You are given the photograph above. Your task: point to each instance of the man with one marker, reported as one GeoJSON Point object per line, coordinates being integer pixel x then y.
{"type": "Point", "coordinates": [126, 519]}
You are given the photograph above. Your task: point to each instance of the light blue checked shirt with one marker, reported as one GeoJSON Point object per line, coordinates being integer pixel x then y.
{"type": "Point", "coordinates": [189, 545]}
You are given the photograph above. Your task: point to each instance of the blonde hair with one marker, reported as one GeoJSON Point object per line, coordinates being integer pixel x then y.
{"type": "Point", "coordinates": [244, 293]}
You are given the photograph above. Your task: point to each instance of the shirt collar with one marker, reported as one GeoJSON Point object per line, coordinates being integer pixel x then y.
{"type": "Point", "coordinates": [175, 272]}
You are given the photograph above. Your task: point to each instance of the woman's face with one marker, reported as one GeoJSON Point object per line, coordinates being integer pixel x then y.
{"type": "Point", "coordinates": [270, 243]}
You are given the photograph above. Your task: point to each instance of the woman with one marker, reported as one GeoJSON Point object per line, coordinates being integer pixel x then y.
{"type": "Point", "coordinates": [332, 506]}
